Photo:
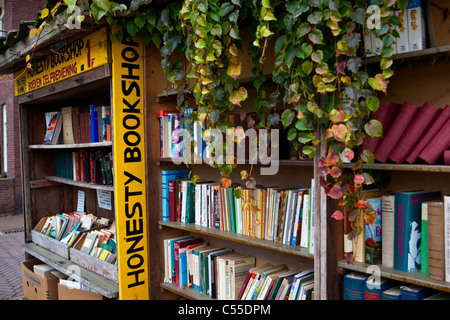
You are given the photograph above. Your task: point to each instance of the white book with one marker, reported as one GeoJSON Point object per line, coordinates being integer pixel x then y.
{"type": "Point", "coordinates": [416, 25]}
{"type": "Point", "coordinates": [183, 200]}
{"type": "Point", "coordinates": [447, 237]}
{"type": "Point", "coordinates": [367, 42]}
{"type": "Point", "coordinates": [198, 203]}
{"type": "Point", "coordinates": [387, 225]}
{"type": "Point", "coordinates": [403, 41]}
{"type": "Point", "coordinates": [304, 239]}
{"type": "Point", "coordinates": [312, 217]}
{"type": "Point", "coordinates": [377, 44]}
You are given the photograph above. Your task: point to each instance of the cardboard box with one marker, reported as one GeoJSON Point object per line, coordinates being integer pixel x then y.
{"type": "Point", "coordinates": [36, 287]}
{"type": "Point", "coordinates": [69, 293]}
{"type": "Point", "coordinates": [43, 270]}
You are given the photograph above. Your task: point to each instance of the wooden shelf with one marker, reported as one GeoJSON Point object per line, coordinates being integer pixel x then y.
{"type": "Point", "coordinates": [281, 163]}
{"type": "Point", "coordinates": [80, 184]}
{"type": "Point", "coordinates": [414, 277]}
{"type": "Point", "coordinates": [236, 237]}
{"type": "Point", "coordinates": [427, 56]}
{"type": "Point", "coordinates": [188, 293]}
{"type": "Point", "coordinates": [104, 144]}
{"type": "Point", "coordinates": [404, 167]}
{"type": "Point", "coordinates": [94, 281]}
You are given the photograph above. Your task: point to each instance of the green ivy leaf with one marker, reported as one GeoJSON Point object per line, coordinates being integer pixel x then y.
{"type": "Point", "coordinates": [373, 103]}
{"type": "Point", "coordinates": [281, 41]}
{"type": "Point", "coordinates": [132, 29]}
{"type": "Point", "coordinates": [292, 134]}
{"type": "Point", "coordinates": [374, 128]}
{"type": "Point", "coordinates": [238, 193]}
{"type": "Point", "coordinates": [286, 117]}
{"type": "Point", "coordinates": [238, 96]}
{"type": "Point", "coordinates": [316, 36]}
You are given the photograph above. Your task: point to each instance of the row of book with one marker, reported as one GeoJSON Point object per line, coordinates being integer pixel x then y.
{"type": "Point", "coordinates": [412, 233]}
{"type": "Point", "coordinates": [74, 125]}
{"type": "Point", "coordinates": [412, 32]}
{"type": "Point", "coordinates": [94, 166]}
{"type": "Point", "coordinates": [65, 227]}
{"type": "Point", "coordinates": [284, 215]}
{"type": "Point", "coordinates": [411, 134]}
{"type": "Point", "coordinates": [221, 273]}
{"type": "Point", "coordinates": [361, 286]}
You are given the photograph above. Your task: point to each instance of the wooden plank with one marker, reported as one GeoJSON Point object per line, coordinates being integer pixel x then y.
{"type": "Point", "coordinates": [414, 277]}
{"type": "Point", "coordinates": [98, 283]}
{"type": "Point", "coordinates": [188, 293]}
{"type": "Point", "coordinates": [404, 167]}
{"type": "Point", "coordinates": [80, 184]}
{"type": "Point", "coordinates": [236, 237]}
{"type": "Point", "coordinates": [35, 184]}
{"type": "Point", "coordinates": [70, 146]}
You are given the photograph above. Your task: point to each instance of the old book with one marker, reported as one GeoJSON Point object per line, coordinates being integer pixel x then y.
{"type": "Point", "coordinates": [436, 239]}
{"type": "Point", "coordinates": [429, 135]}
{"type": "Point", "coordinates": [395, 132]}
{"type": "Point", "coordinates": [415, 131]}
{"type": "Point", "coordinates": [437, 146]}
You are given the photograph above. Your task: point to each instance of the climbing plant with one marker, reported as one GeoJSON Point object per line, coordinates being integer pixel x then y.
{"type": "Point", "coordinates": [324, 90]}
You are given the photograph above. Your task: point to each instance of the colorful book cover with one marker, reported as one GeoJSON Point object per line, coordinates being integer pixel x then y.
{"type": "Point", "coordinates": [373, 234]}
{"type": "Point", "coordinates": [408, 217]}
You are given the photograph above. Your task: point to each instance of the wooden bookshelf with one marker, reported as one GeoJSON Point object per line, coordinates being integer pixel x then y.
{"type": "Point", "coordinates": [80, 184]}
{"type": "Point", "coordinates": [236, 237]}
{"type": "Point", "coordinates": [104, 144]}
{"type": "Point", "coordinates": [404, 167]}
{"type": "Point", "coordinates": [281, 163]}
{"type": "Point", "coordinates": [429, 56]}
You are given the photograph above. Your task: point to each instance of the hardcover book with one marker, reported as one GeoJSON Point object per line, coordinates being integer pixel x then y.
{"type": "Point", "coordinates": [166, 176]}
{"type": "Point", "coordinates": [436, 240]}
{"type": "Point", "coordinates": [407, 248]}
{"type": "Point", "coordinates": [437, 146]}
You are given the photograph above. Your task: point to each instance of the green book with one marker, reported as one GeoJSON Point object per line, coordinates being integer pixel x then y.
{"type": "Point", "coordinates": [190, 197]}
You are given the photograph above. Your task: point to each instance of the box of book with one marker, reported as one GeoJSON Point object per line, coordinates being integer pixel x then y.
{"type": "Point", "coordinates": [57, 233]}
{"type": "Point", "coordinates": [96, 251]}
{"type": "Point", "coordinates": [35, 286]}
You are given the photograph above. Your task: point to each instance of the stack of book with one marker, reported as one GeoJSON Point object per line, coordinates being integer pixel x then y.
{"type": "Point", "coordinates": [360, 286]}
{"type": "Point", "coordinates": [281, 215]}
{"type": "Point", "coordinates": [100, 244]}
{"type": "Point", "coordinates": [410, 134]}
{"type": "Point", "coordinates": [85, 165]}
{"type": "Point", "coordinates": [66, 226]}
{"type": "Point", "coordinates": [412, 32]}
{"type": "Point", "coordinates": [74, 125]}
{"type": "Point", "coordinates": [221, 273]}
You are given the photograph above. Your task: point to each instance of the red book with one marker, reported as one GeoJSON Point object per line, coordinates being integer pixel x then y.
{"type": "Point", "coordinates": [447, 157]}
{"type": "Point", "coordinates": [385, 114]}
{"type": "Point", "coordinates": [172, 200]}
{"type": "Point", "coordinates": [435, 149]}
{"type": "Point", "coordinates": [431, 132]}
{"type": "Point", "coordinates": [395, 132]}
{"type": "Point", "coordinates": [415, 131]}
{"type": "Point", "coordinates": [176, 248]}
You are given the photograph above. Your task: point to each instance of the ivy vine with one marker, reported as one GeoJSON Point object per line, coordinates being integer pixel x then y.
{"type": "Point", "coordinates": [323, 84]}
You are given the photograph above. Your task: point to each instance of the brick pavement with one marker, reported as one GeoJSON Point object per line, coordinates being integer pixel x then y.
{"type": "Point", "coordinates": [11, 257]}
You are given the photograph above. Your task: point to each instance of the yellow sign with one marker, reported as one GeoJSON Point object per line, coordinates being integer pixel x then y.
{"type": "Point", "coordinates": [64, 61]}
{"type": "Point", "coordinates": [129, 168]}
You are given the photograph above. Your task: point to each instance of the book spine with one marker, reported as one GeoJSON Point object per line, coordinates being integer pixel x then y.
{"type": "Point", "coordinates": [396, 130]}
{"type": "Point", "coordinates": [416, 25]}
{"type": "Point", "coordinates": [437, 146]}
{"type": "Point", "coordinates": [424, 228]}
{"type": "Point", "coordinates": [93, 112]}
{"type": "Point", "coordinates": [436, 240]}
{"type": "Point", "coordinates": [447, 237]}
{"type": "Point", "coordinates": [403, 40]}
{"type": "Point", "coordinates": [401, 233]}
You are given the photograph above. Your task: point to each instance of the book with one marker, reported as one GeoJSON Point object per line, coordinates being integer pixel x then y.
{"type": "Point", "coordinates": [447, 157]}
{"type": "Point", "coordinates": [447, 237]}
{"type": "Point", "coordinates": [387, 225]}
{"type": "Point", "coordinates": [180, 265]}
{"type": "Point", "coordinates": [436, 240]}
{"type": "Point", "coordinates": [408, 228]}
{"type": "Point", "coordinates": [212, 258]}
{"type": "Point", "coordinates": [373, 243]}
{"type": "Point", "coordinates": [278, 279]}
{"type": "Point", "coordinates": [374, 286]}
{"type": "Point", "coordinates": [93, 123]}
{"type": "Point", "coordinates": [164, 132]}
{"type": "Point", "coordinates": [253, 274]}
{"type": "Point", "coordinates": [398, 126]}
{"type": "Point", "coordinates": [403, 39]}
{"type": "Point", "coordinates": [385, 114]}
{"type": "Point", "coordinates": [429, 135]}
{"type": "Point", "coordinates": [260, 283]}
{"type": "Point", "coordinates": [424, 228]}
{"type": "Point", "coordinates": [69, 125]}
{"type": "Point", "coordinates": [298, 280]}
{"type": "Point", "coordinates": [426, 115]}
{"type": "Point", "coordinates": [53, 122]}
{"type": "Point", "coordinates": [393, 293]}
{"type": "Point", "coordinates": [239, 267]}
{"type": "Point", "coordinates": [354, 284]}
{"type": "Point", "coordinates": [416, 25]}
{"type": "Point", "coordinates": [166, 176]}
{"type": "Point", "coordinates": [415, 292]}
{"type": "Point", "coordinates": [437, 146]}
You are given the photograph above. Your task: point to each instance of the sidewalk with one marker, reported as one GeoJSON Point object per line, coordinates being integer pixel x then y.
{"type": "Point", "coordinates": [11, 257]}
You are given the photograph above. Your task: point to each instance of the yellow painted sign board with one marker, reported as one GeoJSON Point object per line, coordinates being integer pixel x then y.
{"type": "Point", "coordinates": [64, 61]}
{"type": "Point", "coordinates": [129, 168]}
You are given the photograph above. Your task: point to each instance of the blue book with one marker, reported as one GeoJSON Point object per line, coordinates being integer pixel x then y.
{"type": "Point", "coordinates": [354, 284]}
{"type": "Point", "coordinates": [407, 228]}
{"type": "Point", "coordinates": [393, 293]}
{"type": "Point", "coordinates": [373, 235]}
{"type": "Point", "coordinates": [94, 123]}
{"type": "Point", "coordinates": [166, 176]}
{"type": "Point", "coordinates": [413, 292]}
{"type": "Point", "coordinates": [374, 286]}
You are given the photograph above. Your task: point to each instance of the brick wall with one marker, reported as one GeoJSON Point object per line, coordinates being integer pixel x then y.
{"type": "Point", "coordinates": [15, 11]}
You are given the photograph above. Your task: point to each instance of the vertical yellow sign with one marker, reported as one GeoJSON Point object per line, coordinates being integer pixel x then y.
{"type": "Point", "coordinates": [129, 168]}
